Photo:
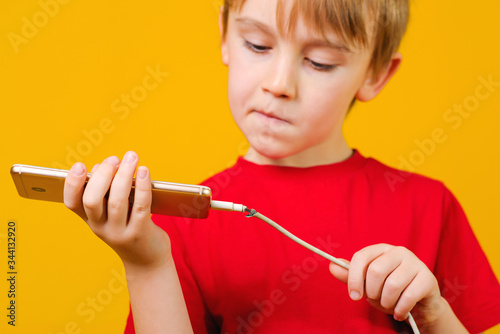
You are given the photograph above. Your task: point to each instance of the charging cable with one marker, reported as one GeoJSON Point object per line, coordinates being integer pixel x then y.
{"type": "Point", "coordinates": [228, 206]}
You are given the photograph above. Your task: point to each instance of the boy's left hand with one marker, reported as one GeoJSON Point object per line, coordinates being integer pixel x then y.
{"type": "Point", "coordinates": [393, 280]}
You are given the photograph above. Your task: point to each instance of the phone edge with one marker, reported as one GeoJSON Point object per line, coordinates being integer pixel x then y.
{"type": "Point", "coordinates": [15, 172]}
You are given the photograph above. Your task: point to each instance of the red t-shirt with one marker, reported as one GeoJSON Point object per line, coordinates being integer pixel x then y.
{"type": "Point", "coordinates": [239, 275]}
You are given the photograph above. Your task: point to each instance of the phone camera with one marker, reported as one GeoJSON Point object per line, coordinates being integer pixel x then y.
{"type": "Point", "coordinates": [40, 190]}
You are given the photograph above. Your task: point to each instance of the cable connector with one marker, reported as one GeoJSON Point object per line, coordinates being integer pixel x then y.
{"type": "Point", "coordinates": [227, 206]}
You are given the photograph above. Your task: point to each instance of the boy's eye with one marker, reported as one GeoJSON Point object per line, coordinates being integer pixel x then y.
{"type": "Point", "coordinates": [256, 48]}
{"type": "Point", "coordinates": [317, 66]}
{"type": "Point", "coordinates": [321, 67]}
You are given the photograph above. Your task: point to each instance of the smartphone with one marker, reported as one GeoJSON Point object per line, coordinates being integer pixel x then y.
{"type": "Point", "coordinates": [171, 199]}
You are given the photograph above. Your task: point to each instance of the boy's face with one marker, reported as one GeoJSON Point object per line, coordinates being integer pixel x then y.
{"type": "Point", "coordinates": [289, 97]}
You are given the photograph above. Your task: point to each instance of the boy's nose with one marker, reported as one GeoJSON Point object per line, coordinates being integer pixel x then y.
{"type": "Point", "coordinates": [280, 79]}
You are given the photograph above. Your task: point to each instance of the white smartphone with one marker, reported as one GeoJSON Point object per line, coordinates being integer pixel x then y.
{"type": "Point", "coordinates": [172, 199]}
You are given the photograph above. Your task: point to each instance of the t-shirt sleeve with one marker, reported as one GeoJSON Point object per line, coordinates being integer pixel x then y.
{"type": "Point", "coordinates": [200, 317]}
{"type": "Point", "coordinates": [465, 277]}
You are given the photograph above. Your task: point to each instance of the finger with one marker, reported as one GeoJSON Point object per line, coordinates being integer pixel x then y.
{"type": "Point", "coordinates": [421, 286]}
{"type": "Point", "coordinates": [118, 201]}
{"type": "Point", "coordinates": [376, 304]}
{"type": "Point", "coordinates": [339, 272]}
{"type": "Point", "coordinates": [359, 266]}
{"type": "Point", "coordinates": [94, 168]}
{"type": "Point", "coordinates": [141, 210]}
{"type": "Point", "coordinates": [73, 189]}
{"type": "Point", "coordinates": [97, 187]}
{"type": "Point", "coordinates": [377, 273]}
{"type": "Point", "coordinates": [396, 283]}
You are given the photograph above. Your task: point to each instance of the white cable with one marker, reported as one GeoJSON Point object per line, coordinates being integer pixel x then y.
{"type": "Point", "coordinates": [298, 240]}
{"type": "Point", "coordinates": [227, 206]}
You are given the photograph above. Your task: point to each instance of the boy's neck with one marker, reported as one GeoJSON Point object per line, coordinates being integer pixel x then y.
{"type": "Point", "coordinates": [308, 158]}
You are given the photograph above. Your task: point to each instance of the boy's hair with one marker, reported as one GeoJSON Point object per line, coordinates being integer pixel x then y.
{"type": "Point", "coordinates": [356, 22]}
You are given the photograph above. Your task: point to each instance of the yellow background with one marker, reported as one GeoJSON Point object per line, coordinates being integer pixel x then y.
{"type": "Point", "coordinates": [61, 82]}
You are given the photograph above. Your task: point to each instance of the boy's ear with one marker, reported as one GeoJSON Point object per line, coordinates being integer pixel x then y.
{"type": "Point", "coordinates": [371, 87]}
{"type": "Point", "coordinates": [223, 43]}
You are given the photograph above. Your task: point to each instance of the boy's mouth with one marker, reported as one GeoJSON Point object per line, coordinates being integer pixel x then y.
{"type": "Point", "coordinates": [270, 116]}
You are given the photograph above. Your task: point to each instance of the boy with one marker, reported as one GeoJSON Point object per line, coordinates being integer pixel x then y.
{"type": "Point", "coordinates": [295, 67]}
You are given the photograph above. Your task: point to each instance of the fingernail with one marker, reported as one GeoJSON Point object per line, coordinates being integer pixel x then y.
{"type": "Point", "coordinates": [354, 295]}
{"type": "Point", "coordinates": [113, 160]}
{"type": "Point", "coordinates": [77, 169]}
{"type": "Point", "coordinates": [398, 318]}
{"type": "Point", "coordinates": [129, 158]}
{"type": "Point", "coordinates": [142, 172]}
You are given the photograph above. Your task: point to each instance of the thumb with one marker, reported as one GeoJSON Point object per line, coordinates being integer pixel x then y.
{"type": "Point", "coordinates": [338, 272]}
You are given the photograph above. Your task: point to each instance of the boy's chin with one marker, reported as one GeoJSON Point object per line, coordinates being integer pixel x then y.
{"type": "Point", "coordinates": [268, 152]}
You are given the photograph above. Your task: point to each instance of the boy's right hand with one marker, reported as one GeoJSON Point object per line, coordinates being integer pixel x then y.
{"type": "Point", "coordinates": [129, 231]}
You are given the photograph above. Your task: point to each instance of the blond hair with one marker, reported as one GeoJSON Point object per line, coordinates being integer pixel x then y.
{"type": "Point", "coordinates": [379, 23]}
